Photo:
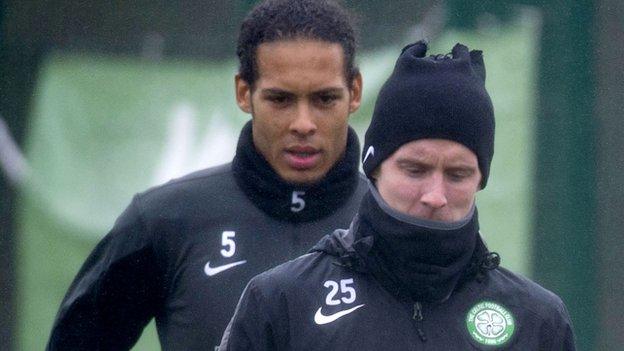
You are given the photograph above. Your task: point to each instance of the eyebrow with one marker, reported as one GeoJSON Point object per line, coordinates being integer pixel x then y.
{"type": "Point", "coordinates": [424, 162]}
{"type": "Point", "coordinates": [408, 161]}
{"type": "Point", "coordinates": [277, 91]}
{"type": "Point", "coordinates": [329, 91]}
{"type": "Point", "coordinates": [468, 169]}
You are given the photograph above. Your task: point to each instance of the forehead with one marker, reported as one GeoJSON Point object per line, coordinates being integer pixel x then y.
{"type": "Point", "coordinates": [300, 63]}
{"type": "Point", "coordinates": [436, 150]}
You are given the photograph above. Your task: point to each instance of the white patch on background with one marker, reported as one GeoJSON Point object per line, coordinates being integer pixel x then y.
{"type": "Point", "coordinates": [218, 144]}
{"type": "Point", "coordinates": [12, 161]}
{"type": "Point", "coordinates": [177, 144]}
{"type": "Point", "coordinates": [181, 156]}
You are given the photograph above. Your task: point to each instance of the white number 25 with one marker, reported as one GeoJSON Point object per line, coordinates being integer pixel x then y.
{"type": "Point", "coordinates": [345, 289]}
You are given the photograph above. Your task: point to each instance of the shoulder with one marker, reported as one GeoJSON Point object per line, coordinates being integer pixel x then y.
{"type": "Point", "coordinates": [292, 276]}
{"type": "Point", "coordinates": [522, 292]}
{"type": "Point", "coordinates": [208, 187]}
{"type": "Point", "coordinates": [151, 221]}
{"type": "Point", "coordinates": [204, 178]}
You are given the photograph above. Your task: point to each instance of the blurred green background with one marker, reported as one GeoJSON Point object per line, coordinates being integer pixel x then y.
{"type": "Point", "coordinates": [107, 100]}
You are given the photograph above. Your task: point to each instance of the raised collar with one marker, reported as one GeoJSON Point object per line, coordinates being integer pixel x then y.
{"type": "Point", "coordinates": [294, 202]}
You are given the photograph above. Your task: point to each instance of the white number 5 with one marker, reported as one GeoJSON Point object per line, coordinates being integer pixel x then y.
{"type": "Point", "coordinates": [227, 240]}
{"type": "Point", "coordinates": [345, 289]}
{"type": "Point", "coordinates": [297, 202]}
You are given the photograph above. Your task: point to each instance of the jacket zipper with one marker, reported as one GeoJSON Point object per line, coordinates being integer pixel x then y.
{"type": "Point", "coordinates": [418, 317]}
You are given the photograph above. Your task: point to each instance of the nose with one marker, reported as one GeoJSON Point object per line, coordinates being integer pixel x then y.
{"type": "Point", "coordinates": [434, 195]}
{"type": "Point", "coordinates": [303, 123]}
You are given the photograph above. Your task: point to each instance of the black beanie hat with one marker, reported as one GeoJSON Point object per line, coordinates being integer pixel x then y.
{"type": "Point", "coordinates": [435, 97]}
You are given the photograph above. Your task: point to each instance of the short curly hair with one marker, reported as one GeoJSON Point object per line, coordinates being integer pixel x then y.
{"type": "Point", "coordinates": [274, 20]}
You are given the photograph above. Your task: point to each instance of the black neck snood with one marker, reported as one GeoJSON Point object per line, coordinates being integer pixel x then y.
{"type": "Point", "coordinates": [420, 259]}
{"type": "Point", "coordinates": [293, 202]}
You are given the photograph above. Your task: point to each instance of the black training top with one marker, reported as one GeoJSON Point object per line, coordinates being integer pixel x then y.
{"type": "Point", "coordinates": [183, 252]}
{"type": "Point", "coordinates": [331, 299]}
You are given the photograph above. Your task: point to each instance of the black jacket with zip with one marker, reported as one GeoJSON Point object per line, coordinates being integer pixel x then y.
{"type": "Point", "coordinates": [328, 300]}
{"type": "Point", "coordinates": [183, 252]}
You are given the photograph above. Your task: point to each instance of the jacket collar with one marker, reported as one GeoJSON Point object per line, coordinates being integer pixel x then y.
{"type": "Point", "coordinates": [294, 202]}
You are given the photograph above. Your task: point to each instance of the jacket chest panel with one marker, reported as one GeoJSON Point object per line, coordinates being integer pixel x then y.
{"type": "Point", "coordinates": [482, 320]}
{"type": "Point", "coordinates": [211, 269]}
{"type": "Point", "coordinates": [348, 310]}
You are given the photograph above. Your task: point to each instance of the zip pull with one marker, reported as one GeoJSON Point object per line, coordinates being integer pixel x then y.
{"type": "Point", "coordinates": [421, 335]}
{"type": "Point", "coordinates": [418, 316]}
{"type": "Point", "coordinates": [418, 312]}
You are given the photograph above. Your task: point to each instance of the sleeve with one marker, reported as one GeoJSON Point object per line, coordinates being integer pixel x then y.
{"type": "Point", "coordinates": [564, 336]}
{"type": "Point", "coordinates": [115, 294]}
{"type": "Point", "coordinates": [251, 328]}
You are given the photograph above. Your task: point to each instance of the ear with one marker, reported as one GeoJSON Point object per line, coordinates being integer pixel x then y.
{"type": "Point", "coordinates": [243, 94]}
{"type": "Point", "coordinates": [375, 174]}
{"type": "Point", "coordinates": [356, 93]}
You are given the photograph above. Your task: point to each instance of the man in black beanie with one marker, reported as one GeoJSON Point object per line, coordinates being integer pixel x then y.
{"type": "Point", "coordinates": [436, 97]}
{"type": "Point", "coordinates": [411, 272]}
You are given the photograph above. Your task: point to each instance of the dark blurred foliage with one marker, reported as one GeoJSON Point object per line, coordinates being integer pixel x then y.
{"type": "Point", "coordinates": [7, 206]}
{"type": "Point", "coordinates": [198, 29]}
{"type": "Point", "coordinates": [189, 28]}
{"type": "Point", "coordinates": [388, 22]}
{"type": "Point", "coordinates": [470, 14]}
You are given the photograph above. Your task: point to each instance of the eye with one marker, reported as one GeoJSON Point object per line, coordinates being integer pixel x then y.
{"type": "Point", "coordinates": [278, 99]}
{"type": "Point", "coordinates": [327, 99]}
{"type": "Point", "coordinates": [415, 171]}
{"type": "Point", "coordinates": [459, 175]}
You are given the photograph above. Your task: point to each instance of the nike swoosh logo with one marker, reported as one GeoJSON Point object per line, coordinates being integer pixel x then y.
{"type": "Point", "coordinates": [369, 152]}
{"type": "Point", "coordinates": [320, 318]}
{"type": "Point", "coordinates": [210, 271]}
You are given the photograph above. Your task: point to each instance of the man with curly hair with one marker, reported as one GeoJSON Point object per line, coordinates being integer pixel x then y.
{"type": "Point", "coordinates": [182, 252]}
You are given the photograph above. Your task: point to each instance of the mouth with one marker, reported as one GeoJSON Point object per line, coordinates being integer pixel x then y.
{"type": "Point", "coordinates": [302, 157]}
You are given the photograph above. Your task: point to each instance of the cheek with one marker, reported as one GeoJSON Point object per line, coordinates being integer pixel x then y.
{"type": "Point", "coordinates": [402, 190]}
{"type": "Point", "coordinates": [461, 197]}
{"type": "Point", "coordinates": [268, 122]}
{"type": "Point", "coordinates": [335, 134]}
{"type": "Point", "coordinates": [409, 191]}
{"type": "Point", "coordinates": [265, 137]}
{"type": "Point", "coordinates": [333, 129]}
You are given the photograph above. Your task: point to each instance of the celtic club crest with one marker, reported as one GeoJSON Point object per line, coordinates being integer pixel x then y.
{"type": "Point", "coordinates": [489, 323]}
